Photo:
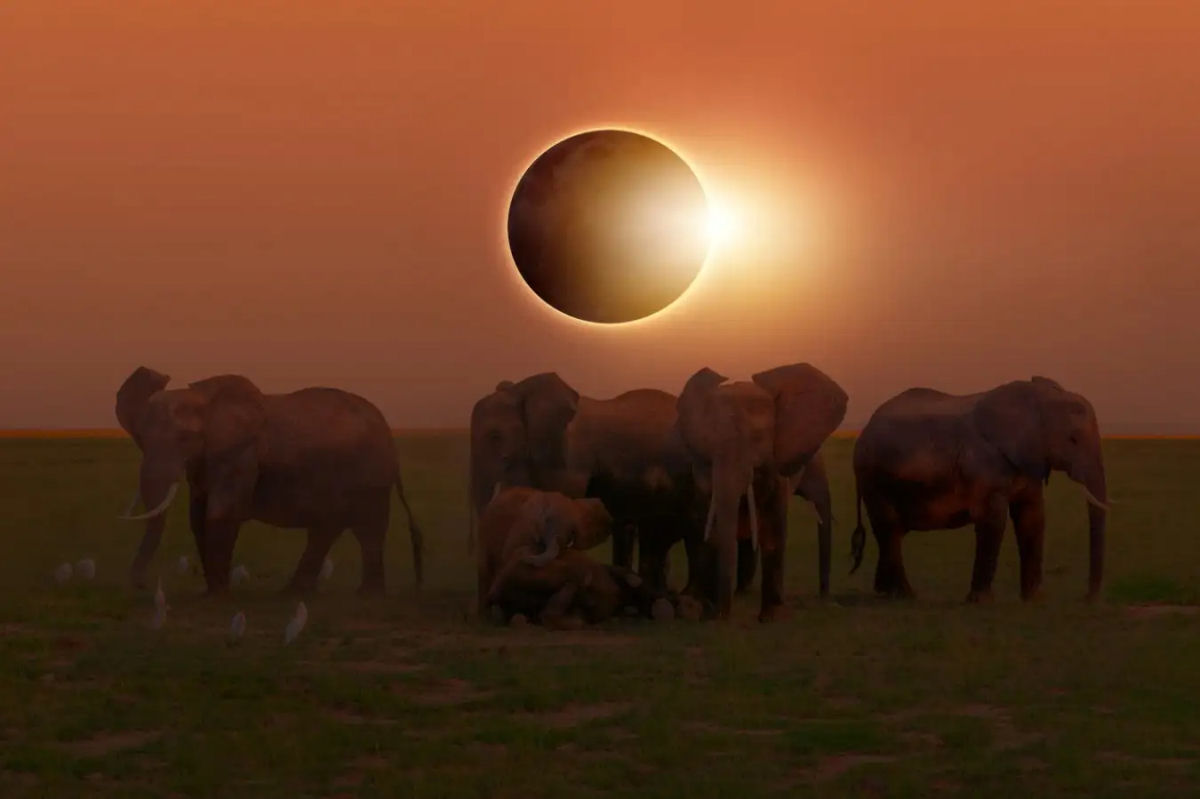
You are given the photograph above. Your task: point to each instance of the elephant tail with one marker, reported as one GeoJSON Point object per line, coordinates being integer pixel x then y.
{"type": "Point", "coordinates": [414, 532]}
{"type": "Point", "coordinates": [858, 541]}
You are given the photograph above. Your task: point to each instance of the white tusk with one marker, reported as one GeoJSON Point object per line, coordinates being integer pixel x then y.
{"type": "Point", "coordinates": [162, 506]}
{"type": "Point", "coordinates": [1091, 498]}
{"type": "Point", "coordinates": [708, 523]}
{"type": "Point", "coordinates": [137, 495]}
{"type": "Point", "coordinates": [753, 516]}
{"type": "Point", "coordinates": [496, 489]}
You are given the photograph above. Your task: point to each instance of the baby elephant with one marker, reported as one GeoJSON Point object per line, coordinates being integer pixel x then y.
{"type": "Point", "coordinates": [525, 525]}
{"type": "Point", "coordinates": [573, 590]}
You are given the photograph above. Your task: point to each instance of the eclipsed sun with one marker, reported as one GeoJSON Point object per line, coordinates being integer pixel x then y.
{"type": "Point", "coordinates": [611, 226]}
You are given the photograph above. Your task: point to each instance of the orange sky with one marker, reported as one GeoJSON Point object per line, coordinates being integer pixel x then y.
{"type": "Point", "coordinates": [951, 197]}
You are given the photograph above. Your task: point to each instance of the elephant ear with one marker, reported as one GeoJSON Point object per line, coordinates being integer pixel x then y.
{"type": "Point", "coordinates": [548, 405]}
{"type": "Point", "coordinates": [134, 394]}
{"type": "Point", "coordinates": [1009, 418]}
{"type": "Point", "coordinates": [234, 427]}
{"type": "Point", "coordinates": [593, 523]}
{"type": "Point", "coordinates": [809, 406]}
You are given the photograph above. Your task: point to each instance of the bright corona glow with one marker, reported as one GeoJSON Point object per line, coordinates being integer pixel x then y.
{"type": "Point", "coordinates": [721, 225]}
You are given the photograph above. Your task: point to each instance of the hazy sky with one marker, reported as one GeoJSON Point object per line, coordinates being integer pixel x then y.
{"type": "Point", "coordinates": [951, 197]}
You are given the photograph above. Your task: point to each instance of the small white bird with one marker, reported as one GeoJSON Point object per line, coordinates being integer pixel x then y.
{"type": "Point", "coordinates": [238, 626]}
{"type": "Point", "coordinates": [63, 573]}
{"type": "Point", "coordinates": [239, 575]}
{"type": "Point", "coordinates": [296, 624]}
{"type": "Point", "coordinates": [183, 564]}
{"type": "Point", "coordinates": [160, 607]}
{"type": "Point", "coordinates": [86, 568]}
{"type": "Point", "coordinates": [327, 569]}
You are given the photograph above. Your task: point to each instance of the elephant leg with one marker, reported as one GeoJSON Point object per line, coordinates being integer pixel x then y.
{"type": "Point", "coordinates": [370, 543]}
{"type": "Point", "coordinates": [320, 540]}
{"type": "Point", "coordinates": [220, 536]}
{"type": "Point", "coordinates": [556, 615]}
{"type": "Point", "coordinates": [772, 520]}
{"type": "Point", "coordinates": [197, 516]}
{"type": "Point", "coordinates": [747, 564]}
{"type": "Point", "coordinates": [988, 534]}
{"type": "Point", "coordinates": [652, 562]}
{"type": "Point", "coordinates": [622, 538]}
{"type": "Point", "coordinates": [1029, 522]}
{"type": "Point", "coordinates": [890, 578]}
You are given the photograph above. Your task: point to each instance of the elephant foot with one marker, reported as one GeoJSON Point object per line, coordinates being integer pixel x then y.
{"type": "Point", "coordinates": [774, 613]}
{"type": "Point", "coordinates": [1036, 595]}
{"type": "Point", "coordinates": [662, 610]}
{"type": "Point", "coordinates": [518, 621]}
{"type": "Point", "coordinates": [981, 596]}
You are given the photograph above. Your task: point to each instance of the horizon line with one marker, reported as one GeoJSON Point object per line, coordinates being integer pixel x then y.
{"type": "Point", "coordinates": [116, 432]}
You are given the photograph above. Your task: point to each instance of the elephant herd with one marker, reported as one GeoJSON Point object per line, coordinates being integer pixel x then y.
{"type": "Point", "coordinates": [553, 474]}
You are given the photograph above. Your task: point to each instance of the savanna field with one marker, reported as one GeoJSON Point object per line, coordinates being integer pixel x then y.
{"type": "Point", "coordinates": [412, 696]}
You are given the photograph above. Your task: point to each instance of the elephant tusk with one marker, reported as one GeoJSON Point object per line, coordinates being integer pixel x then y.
{"type": "Point", "coordinates": [1091, 498]}
{"type": "Point", "coordinates": [496, 489]}
{"type": "Point", "coordinates": [708, 523]}
{"type": "Point", "coordinates": [137, 495]}
{"type": "Point", "coordinates": [162, 506]}
{"type": "Point", "coordinates": [753, 516]}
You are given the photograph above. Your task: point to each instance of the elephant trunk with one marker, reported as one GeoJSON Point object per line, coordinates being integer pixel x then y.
{"type": "Point", "coordinates": [550, 553]}
{"type": "Point", "coordinates": [728, 487]}
{"type": "Point", "coordinates": [1097, 490]}
{"type": "Point", "coordinates": [158, 486]}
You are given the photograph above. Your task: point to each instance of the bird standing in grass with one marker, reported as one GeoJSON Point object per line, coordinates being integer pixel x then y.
{"type": "Point", "coordinates": [237, 627]}
{"type": "Point", "coordinates": [327, 569]}
{"type": "Point", "coordinates": [239, 575]}
{"type": "Point", "coordinates": [160, 607]}
{"type": "Point", "coordinates": [183, 564]}
{"type": "Point", "coordinates": [86, 568]}
{"type": "Point", "coordinates": [296, 624]}
{"type": "Point", "coordinates": [63, 573]}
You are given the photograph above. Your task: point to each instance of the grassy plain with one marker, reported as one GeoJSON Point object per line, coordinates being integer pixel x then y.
{"type": "Point", "coordinates": [410, 696]}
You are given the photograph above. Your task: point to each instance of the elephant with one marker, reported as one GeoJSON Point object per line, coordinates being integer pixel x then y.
{"type": "Point", "coordinates": [524, 525]}
{"type": "Point", "coordinates": [572, 590]}
{"type": "Point", "coordinates": [317, 458]}
{"type": "Point", "coordinates": [928, 460]}
{"type": "Point", "coordinates": [747, 440]}
{"type": "Point", "coordinates": [811, 484]}
{"type": "Point", "coordinates": [625, 451]}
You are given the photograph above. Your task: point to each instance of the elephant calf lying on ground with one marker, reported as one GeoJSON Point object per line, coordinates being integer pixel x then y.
{"type": "Point", "coordinates": [572, 590]}
{"type": "Point", "coordinates": [527, 525]}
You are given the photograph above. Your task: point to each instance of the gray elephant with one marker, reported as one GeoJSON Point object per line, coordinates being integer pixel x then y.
{"type": "Point", "coordinates": [526, 526]}
{"type": "Point", "coordinates": [929, 460]}
{"type": "Point", "coordinates": [625, 451]}
{"type": "Point", "coordinates": [747, 441]}
{"type": "Point", "coordinates": [811, 484]}
{"type": "Point", "coordinates": [318, 458]}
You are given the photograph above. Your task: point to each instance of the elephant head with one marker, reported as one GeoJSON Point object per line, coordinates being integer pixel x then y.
{"type": "Point", "coordinates": [209, 433]}
{"type": "Point", "coordinates": [551, 522]}
{"type": "Point", "coordinates": [1038, 426]}
{"type": "Point", "coordinates": [517, 436]}
{"type": "Point", "coordinates": [771, 426]}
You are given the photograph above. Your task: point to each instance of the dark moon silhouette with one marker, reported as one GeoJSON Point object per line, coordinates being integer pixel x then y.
{"type": "Point", "coordinates": [608, 226]}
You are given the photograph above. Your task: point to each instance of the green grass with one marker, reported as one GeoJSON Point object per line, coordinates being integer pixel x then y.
{"type": "Point", "coordinates": [410, 696]}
